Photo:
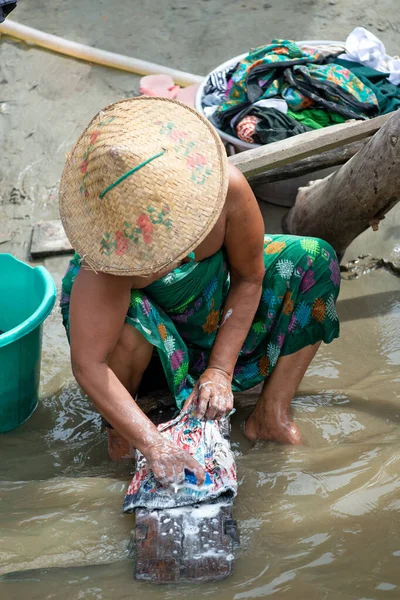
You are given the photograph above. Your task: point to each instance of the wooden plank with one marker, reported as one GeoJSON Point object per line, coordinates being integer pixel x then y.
{"type": "Point", "coordinates": [49, 239]}
{"type": "Point", "coordinates": [158, 540]}
{"type": "Point", "coordinates": [277, 154]}
{"type": "Point", "coordinates": [192, 543]}
{"type": "Point", "coordinates": [331, 158]}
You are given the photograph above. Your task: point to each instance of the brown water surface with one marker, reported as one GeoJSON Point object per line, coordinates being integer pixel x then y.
{"type": "Point", "coordinates": [317, 521]}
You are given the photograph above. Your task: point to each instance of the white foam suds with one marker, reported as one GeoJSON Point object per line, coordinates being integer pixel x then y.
{"type": "Point", "coordinates": [213, 554]}
{"type": "Point", "coordinates": [191, 529]}
{"type": "Point", "coordinates": [202, 511]}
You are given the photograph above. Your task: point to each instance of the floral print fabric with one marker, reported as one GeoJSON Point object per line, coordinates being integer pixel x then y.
{"type": "Point", "coordinates": [180, 314]}
{"type": "Point", "coordinates": [283, 69]}
{"type": "Point", "coordinates": [205, 441]}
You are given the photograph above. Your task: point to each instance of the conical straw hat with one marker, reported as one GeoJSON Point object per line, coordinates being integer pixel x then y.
{"type": "Point", "coordinates": [144, 185]}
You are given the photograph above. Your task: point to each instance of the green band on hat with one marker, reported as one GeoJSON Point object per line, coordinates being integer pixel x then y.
{"type": "Point", "coordinates": [129, 173]}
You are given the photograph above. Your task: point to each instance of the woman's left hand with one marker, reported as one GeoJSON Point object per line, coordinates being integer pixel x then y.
{"type": "Point", "coordinates": [212, 395]}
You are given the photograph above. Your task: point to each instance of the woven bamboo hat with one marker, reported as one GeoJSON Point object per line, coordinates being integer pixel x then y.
{"type": "Point", "coordinates": [144, 185]}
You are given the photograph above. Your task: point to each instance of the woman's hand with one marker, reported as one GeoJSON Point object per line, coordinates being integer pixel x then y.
{"type": "Point", "coordinates": [212, 395]}
{"type": "Point", "coordinates": [168, 463]}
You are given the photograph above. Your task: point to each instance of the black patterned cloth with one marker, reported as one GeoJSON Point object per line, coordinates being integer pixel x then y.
{"type": "Point", "coordinates": [6, 6]}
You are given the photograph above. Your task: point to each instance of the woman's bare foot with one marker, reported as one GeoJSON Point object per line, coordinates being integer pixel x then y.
{"type": "Point", "coordinates": [273, 424]}
{"type": "Point", "coordinates": [271, 418]}
{"type": "Point", "coordinates": [118, 448]}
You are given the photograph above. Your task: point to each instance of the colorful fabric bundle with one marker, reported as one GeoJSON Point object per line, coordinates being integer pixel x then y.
{"type": "Point", "coordinates": [387, 94]}
{"type": "Point", "coordinates": [318, 88]}
{"type": "Point", "coordinates": [271, 125]}
{"type": "Point", "coordinates": [283, 69]}
{"type": "Point", "coordinates": [331, 87]}
{"type": "Point", "coordinates": [205, 441]}
{"type": "Point", "coordinates": [246, 129]}
{"type": "Point", "coordinates": [257, 75]}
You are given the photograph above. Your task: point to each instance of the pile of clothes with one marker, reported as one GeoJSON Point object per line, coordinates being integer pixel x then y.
{"type": "Point", "coordinates": [281, 90]}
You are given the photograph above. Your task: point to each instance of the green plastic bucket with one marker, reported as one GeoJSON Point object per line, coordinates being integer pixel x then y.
{"type": "Point", "coordinates": [27, 296]}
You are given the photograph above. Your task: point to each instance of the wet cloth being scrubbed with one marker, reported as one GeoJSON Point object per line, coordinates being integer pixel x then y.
{"type": "Point", "coordinates": [205, 441]}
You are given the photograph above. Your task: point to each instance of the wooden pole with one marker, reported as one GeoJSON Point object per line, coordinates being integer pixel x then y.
{"type": "Point", "coordinates": [93, 55]}
{"type": "Point", "coordinates": [358, 195]}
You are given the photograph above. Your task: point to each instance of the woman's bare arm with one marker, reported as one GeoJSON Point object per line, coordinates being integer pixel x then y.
{"type": "Point", "coordinates": [99, 304]}
{"type": "Point", "coordinates": [244, 244]}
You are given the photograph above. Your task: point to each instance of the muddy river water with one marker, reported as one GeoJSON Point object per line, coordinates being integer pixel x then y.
{"type": "Point", "coordinates": [316, 521]}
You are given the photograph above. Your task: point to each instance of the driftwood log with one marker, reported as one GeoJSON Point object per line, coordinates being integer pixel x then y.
{"type": "Point", "coordinates": [358, 195]}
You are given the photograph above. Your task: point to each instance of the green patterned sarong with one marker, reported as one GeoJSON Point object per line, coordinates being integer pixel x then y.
{"type": "Point", "coordinates": [180, 313]}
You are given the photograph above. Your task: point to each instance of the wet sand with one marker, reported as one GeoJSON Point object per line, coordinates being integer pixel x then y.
{"type": "Point", "coordinates": [318, 521]}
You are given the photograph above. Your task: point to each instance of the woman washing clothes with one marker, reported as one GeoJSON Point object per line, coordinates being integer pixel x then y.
{"type": "Point", "coordinates": [172, 261]}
